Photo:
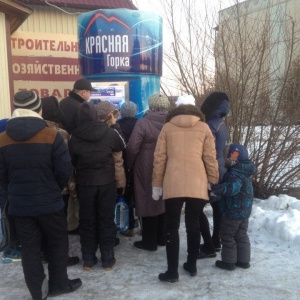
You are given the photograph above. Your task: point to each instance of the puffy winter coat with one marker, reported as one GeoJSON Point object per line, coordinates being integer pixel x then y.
{"type": "Point", "coordinates": [140, 155]}
{"type": "Point", "coordinates": [185, 155]}
{"type": "Point", "coordinates": [35, 165]}
{"type": "Point", "coordinates": [91, 147]}
{"type": "Point", "coordinates": [215, 107]}
{"type": "Point", "coordinates": [237, 189]}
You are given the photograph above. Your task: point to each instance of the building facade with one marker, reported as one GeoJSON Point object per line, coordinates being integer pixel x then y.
{"type": "Point", "coordinates": [41, 52]}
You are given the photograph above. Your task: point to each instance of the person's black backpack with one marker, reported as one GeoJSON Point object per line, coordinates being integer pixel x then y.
{"type": "Point", "coordinates": [9, 239]}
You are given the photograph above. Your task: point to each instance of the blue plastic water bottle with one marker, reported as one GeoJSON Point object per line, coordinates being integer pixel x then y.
{"type": "Point", "coordinates": [122, 215]}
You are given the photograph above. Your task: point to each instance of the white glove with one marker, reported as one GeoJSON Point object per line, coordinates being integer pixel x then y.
{"type": "Point", "coordinates": [156, 192]}
{"type": "Point", "coordinates": [209, 186]}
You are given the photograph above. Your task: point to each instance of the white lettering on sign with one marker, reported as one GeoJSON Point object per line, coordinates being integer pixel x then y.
{"type": "Point", "coordinates": [117, 61]}
{"type": "Point", "coordinates": [106, 44]}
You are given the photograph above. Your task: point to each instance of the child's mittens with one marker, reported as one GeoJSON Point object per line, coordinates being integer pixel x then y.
{"type": "Point", "coordinates": [217, 190]}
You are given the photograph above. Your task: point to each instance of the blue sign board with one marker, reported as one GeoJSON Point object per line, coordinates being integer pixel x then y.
{"type": "Point", "coordinates": [119, 41]}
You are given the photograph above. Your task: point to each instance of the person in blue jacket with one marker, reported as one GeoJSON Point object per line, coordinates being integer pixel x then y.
{"type": "Point", "coordinates": [235, 208]}
{"type": "Point", "coordinates": [215, 107]}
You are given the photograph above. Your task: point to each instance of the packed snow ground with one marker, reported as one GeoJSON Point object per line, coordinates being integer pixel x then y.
{"type": "Point", "coordinates": [274, 232]}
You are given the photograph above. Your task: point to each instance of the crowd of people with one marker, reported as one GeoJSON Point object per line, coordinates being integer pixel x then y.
{"type": "Point", "coordinates": [63, 165]}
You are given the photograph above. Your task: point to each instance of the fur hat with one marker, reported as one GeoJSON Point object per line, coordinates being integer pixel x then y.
{"type": "Point", "coordinates": [104, 108]}
{"type": "Point", "coordinates": [87, 112]}
{"type": "Point", "coordinates": [27, 100]}
{"type": "Point", "coordinates": [214, 102]}
{"type": "Point", "coordinates": [185, 100]}
{"type": "Point", "coordinates": [128, 109]}
{"type": "Point", "coordinates": [237, 152]}
{"type": "Point", "coordinates": [158, 101]}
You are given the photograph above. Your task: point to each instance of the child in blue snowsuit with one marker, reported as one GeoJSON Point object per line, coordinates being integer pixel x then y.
{"type": "Point", "coordinates": [235, 208]}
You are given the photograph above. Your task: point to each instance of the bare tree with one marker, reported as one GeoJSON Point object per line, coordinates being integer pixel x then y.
{"type": "Point", "coordinates": [250, 55]}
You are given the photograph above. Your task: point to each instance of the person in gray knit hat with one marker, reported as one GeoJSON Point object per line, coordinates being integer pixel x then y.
{"type": "Point", "coordinates": [128, 109]}
{"type": "Point", "coordinates": [140, 154]}
{"type": "Point", "coordinates": [127, 123]}
{"type": "Point", "coordinates": [158, 101]}
{"type": "Point", "coordinates": [27, 100]}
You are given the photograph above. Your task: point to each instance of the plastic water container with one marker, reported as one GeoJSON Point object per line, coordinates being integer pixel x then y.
{"type": "Point", "coordinates": [122, 215]}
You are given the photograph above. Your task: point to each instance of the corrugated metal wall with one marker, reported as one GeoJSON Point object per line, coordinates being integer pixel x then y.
{"type": "Point", "coordinates": [4, 83]}
{"type": "Point", "coordinates": [51, 20]}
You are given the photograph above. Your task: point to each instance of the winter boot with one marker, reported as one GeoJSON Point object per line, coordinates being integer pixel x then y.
{"type": "Point", "coordinates": [243, 265]}
{"type": "Point", "coordinates": [192, 269]}
{"type": "Point", "coordinates": [193, 241]}
{"type": "Point", "coordinates": [89, 264]}
{"type": "Point", "coordinates": [224, 265]}
{"type": "Point", "coordinates": [168, 277]}
{"type": "Point", "coordinates": [172, 249]}
{"type": "Point", "coordinates": [71, 286]}
{"type": "Point", "coordinates": [107, 258]}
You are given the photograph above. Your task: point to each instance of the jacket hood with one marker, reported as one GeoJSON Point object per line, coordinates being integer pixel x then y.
{"type": "Point", "coordinates": [189, 109]}
{"type": "Point", "coordinates": [246, 167]}
{"type": "Point", "coordinates": [91, 131]}
{"type": "Point", "coordinates": [184, 116]}
{"type": "Point", "coordinates": [24, 124]}
{"type": "Point", "coordinates": [216, 105]}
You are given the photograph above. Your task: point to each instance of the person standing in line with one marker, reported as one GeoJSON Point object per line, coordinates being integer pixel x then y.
{"type": "Point", "coordinates": [35, 167]}
{"type": "Point", "coordinates": [215, 107]}
{"type": "Point", "coordinates": [53, 117]}
{"type": "Point", "coordinates": [184, 163]}
{"type": "Point", "coordinates": [127, 123]}
{"type": "Point", "coordinates": [140, 156]}
{"type": "Point", "coordinates": [69, 106]}
{"type": "Point", "coordinates": [235, 207]}
{"type": "Point", "coordinates": [91, 146]}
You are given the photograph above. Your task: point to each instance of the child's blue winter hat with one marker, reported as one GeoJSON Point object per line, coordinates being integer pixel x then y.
{"type": "Point", "coordinates": [238, 152]}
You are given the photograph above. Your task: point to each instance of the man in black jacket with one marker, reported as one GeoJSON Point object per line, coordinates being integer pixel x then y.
{"type": "Point", "coordinates": [69, 106]}
{"type": "Point", "coordinates": [34, 168]}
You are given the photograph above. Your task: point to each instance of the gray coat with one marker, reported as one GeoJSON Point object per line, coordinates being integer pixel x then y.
{"type": "Point", "coordinates": [140, 157]}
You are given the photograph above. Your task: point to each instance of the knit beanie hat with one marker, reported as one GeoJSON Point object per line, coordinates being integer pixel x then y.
{"type": "Point", "coordinates": [51, 111]}
{"type": "Point", "coordinates": [237, 152]}
{"type": "Point", "coordinates": [27, 100]}
{"type": "Point", "coordinates": [158, 101]}
{"type": "Point", "coordinates": [128, 109]}
{"type": "Point", "coordinates": [87, 112]}
{"type": "Point", "coordinates": [185, 100]}
{"type": "Point", "coordinates": [104, 108]}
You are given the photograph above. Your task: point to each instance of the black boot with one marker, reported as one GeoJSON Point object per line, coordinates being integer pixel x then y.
{"type": "Point", "coordinates": [72, 285]}
{"type": "Point", "coordinates": [224, 265]}
{"type": "Point", "coordinates": [191, 269]}
{"type": "Point", "coordinates": [107, 258]}
{"type": "Point", "coordinates": [172, 249]}
{"type": "Point", "coordinates": [168, 277]}
{"type": "Point", "coordinates": [193, 241]}
{"type": "Point", "coordinates": [243, 265]}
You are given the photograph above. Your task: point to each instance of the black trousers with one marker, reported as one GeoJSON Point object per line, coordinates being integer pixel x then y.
{"type": "Point", "coordinates": [173, 213]}
{"type": "Point", "coordinates": [96, 219]}
{"type": "Point", "coordinates": [154, 231]}
{"type": "Point", "coordinates": [30, 231]}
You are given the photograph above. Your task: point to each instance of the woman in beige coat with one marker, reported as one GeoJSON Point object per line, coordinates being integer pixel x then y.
{"type": "Point", "coordinates": [184, 163]}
